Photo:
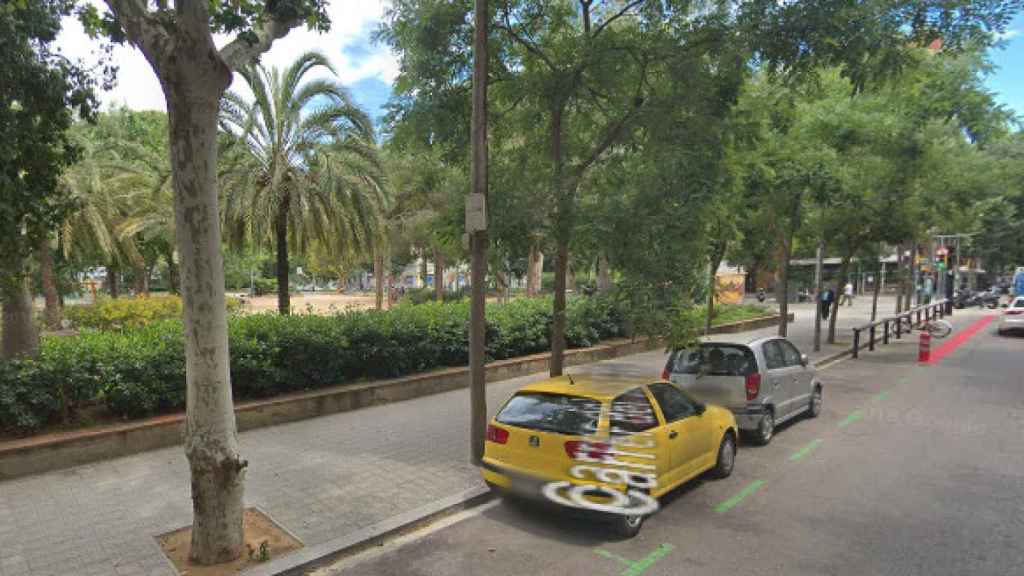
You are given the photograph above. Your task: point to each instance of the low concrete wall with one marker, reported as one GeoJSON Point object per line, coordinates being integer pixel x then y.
{"type": "Point", "coordinates": [47, 452]}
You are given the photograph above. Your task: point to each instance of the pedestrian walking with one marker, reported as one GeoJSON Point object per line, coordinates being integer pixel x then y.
{"type": "Point", "coordinates": [826, 298]}
{"type": "Point", "coordinates": [847, 295]}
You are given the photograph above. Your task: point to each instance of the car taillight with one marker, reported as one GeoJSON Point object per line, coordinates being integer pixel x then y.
{"type": "Point", "coordinates": [665, 374]}
{"type": "Point", "coordinates": [497, 435]}
{"type": "Point", "coordinates": [576, 449]}
{"type": "Point", "coordinates": [753, 385]}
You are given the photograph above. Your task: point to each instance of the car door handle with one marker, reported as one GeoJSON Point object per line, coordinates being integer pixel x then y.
{"type": "Point", "coordinates": [672, 435]}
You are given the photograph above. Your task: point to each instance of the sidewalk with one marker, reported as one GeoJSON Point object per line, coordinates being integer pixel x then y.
{"type": "Point", "coordinates": [321, 479]}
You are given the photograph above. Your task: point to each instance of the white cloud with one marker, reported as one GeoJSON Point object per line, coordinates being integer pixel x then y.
{"type": "Point", "coordinates": [351, 21]}
{"type": "Point", "coordinates": [1008, 35]}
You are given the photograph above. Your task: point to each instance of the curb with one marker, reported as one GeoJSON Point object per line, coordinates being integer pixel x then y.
{"type": "Point", "coordinates": [304, 560]}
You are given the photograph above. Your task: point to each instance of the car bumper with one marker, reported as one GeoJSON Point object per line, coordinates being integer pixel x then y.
{"type": "Point", "coordinates": [748, 417]}
{"type": "Point", "coordinates": [1011, 323]}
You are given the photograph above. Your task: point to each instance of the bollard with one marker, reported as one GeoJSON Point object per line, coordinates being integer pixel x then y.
{"type": "Point", "coordinates": [924, 349]}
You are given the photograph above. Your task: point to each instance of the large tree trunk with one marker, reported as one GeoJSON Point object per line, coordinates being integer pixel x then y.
{"type": "Point", "coordinates": [534, 271]}
{"type": "Point", "coordinates": [45, 257]}
{"type": "Point", "coordinates": [604, 275]}
{"type": "Point", "coordinates": [114, 280]}
{"type": "Point", "coordinates": [284, 304]}
{"type": "Point", "coordinates": [438, 275]}
{"type": "Point", "coordinates": [558, 319]}
{"type": "Point", "coordinates": [18, 334]}
{"type": "Point", "coordinates": [378, 278]}
{"type": "Point", "coordinates": [844, 270]}
{"type": "Point", "coordinates": [141, 274]}
{"type": "Point", "coordinates": [342, 280]}
{"type": "Point", "coordinates": [211, 441]}
{"type": "Point", "coordinates": [173, 277]}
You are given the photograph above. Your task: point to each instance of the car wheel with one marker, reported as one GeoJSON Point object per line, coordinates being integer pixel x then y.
{"type": "Point", "coordinates": [816, 401]}
{"type": "Point", "coordinates": [726, 457]}
{"type": "Point", "coordinates": [765, 429]}
{"type": "Point", "coordinates": [627, 525]}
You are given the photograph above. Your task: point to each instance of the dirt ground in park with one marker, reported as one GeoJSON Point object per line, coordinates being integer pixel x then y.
{"type": "Point", "coordinates": [318, 302]}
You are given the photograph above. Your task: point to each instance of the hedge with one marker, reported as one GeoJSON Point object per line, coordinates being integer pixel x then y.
{"type": "Point", "coordinates": [139, 372]}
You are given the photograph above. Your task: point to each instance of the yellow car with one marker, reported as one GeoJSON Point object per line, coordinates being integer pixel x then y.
{"type": "Point", "coordinates": [611, 445]}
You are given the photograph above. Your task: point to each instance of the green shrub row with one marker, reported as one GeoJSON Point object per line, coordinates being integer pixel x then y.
{"type": "Point", "coordinates": [141, 371]}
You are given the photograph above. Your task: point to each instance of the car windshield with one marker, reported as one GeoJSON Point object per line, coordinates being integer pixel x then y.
{"type": "Point", "coordinates": [714, 360]}
{"type": "Point", "coordinates": [1019, 303]}
{"type": "Point", "coordinates": [557, 413]}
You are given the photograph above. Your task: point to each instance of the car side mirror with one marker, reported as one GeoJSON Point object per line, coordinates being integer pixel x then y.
{"type": "Point", "coordinates": [701, 409]}
{"type": "Point", "coordinates": [803, 360]}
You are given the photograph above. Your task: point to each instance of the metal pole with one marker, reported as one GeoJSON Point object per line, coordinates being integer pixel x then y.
{"type": "Point", "coordinates": [478, 237]}
{"type": "Point", "coordinates": [931, 267]}
{"type": "Point", "coordinates": [956, 272]}
{"type": "Point", "coordinates": [915, 273]}
{"type": "Point", "coordinates": [819, 257]}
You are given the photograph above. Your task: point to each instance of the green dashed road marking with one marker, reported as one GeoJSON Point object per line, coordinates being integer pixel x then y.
{"type": "Point", "coordinates": [805, 450]}
{"type": "Point", "coordinates": [732, 502]}
{"type": "Point", "coordinates": [881, 395]}
{"type": "Point", "coordinates": [853, 417]}
{"type": "Point", "coordinates": [640, 566]}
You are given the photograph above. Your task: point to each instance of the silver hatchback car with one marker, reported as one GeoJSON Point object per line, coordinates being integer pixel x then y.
{"type": "Point", "coordinates": [764, 382]}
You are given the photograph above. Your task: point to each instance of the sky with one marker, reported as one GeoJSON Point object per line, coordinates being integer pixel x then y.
{"type": "Point", "coordinates": [368, 70]}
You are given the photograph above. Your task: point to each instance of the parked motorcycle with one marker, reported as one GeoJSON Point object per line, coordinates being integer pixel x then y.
{"type": "Point", "coordinates": [965, 298]}
{"type": "Point", "coordinates": [989, 298]}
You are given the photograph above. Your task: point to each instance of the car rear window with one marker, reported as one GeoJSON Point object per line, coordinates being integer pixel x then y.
{"type": "Point", "coordinates": [714, 360]}
{"type": "Point", "coordinates": [559, 413]}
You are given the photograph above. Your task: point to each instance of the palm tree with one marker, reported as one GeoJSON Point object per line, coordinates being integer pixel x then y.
{"type": "Point", "coordinates": [300, 165]}
{"type": "Point", "coordinates": [121, 185]}
{"type": "Point", "coordinates": [104, 191]}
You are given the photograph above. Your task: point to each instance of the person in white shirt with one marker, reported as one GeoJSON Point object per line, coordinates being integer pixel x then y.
{"type": "Point", "coordinates": [847, 295]}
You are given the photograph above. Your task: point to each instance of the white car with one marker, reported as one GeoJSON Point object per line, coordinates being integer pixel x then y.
{"type": "Point", "coordinates": [1012, 317]}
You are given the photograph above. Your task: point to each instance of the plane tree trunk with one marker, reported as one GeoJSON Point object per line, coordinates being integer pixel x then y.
{"type": "Point", "coordinates": [534, 271]}
{"type": "Point", "coordinates": [18, 336]}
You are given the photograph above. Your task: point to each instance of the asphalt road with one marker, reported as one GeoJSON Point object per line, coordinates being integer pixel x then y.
{"type": "Point", "coordinates": [910, 469]}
